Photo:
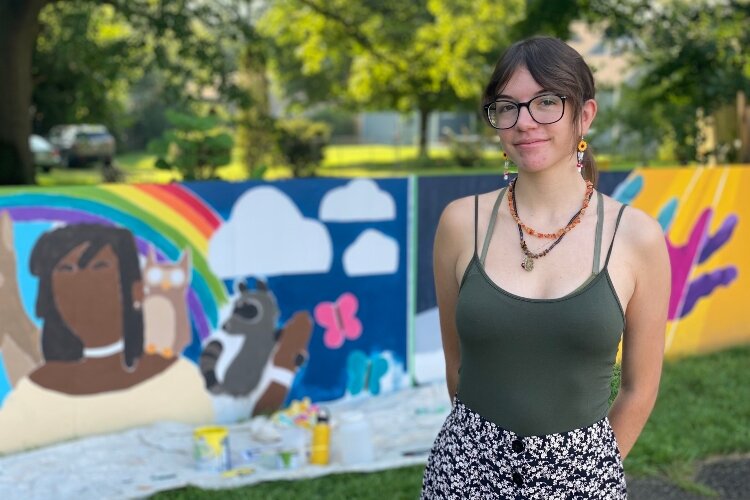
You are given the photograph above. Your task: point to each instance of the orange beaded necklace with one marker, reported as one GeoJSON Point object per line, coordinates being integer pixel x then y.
{"type": "Point", "coordinates": [573, 222]}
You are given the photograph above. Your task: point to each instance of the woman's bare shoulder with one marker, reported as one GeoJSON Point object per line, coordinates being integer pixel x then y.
{"type": "Point", "coordinates": [461, 211]}
{"type": "Point", "coordinates": [638, 230]}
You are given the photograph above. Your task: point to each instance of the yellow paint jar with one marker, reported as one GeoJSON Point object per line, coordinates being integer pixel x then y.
{"type": "Point", "coordinates": [211, 448]}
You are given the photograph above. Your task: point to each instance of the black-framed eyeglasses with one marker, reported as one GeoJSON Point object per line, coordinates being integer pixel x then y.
{"type": "Point", "coordinates": [543, 109]}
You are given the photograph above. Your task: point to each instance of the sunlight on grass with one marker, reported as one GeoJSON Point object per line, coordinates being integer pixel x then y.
{"type": "Point", "coordinates": [358, 160]}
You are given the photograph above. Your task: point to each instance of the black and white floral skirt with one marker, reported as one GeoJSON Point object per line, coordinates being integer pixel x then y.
{"type": "Point", "coordinates": [474, 458]}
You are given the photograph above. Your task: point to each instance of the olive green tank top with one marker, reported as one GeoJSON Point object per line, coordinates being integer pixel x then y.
{"type": "Point", "coordinates": [538, 366]}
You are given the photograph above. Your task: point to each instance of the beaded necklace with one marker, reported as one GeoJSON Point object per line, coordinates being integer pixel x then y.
{"type": "Point", "coordinates": [570, 225]}
{"type": "Point", "coordinates": [529, 256]}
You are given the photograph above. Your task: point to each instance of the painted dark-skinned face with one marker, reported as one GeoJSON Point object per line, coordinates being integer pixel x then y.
{"type": "Point", "coordinates": [89, 299]}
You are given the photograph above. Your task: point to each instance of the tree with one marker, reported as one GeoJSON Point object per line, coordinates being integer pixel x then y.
{"type": "Point", "coordinates": [692, 56]}
{"type": "Point", "coordinates": [83, 65]}
{"type": "Point", "coordinates": [196, 146]}
{"type": "Point", "coordinates": [193, 42]}
{"type": "Point", "coordinates": [549, 18]}
{"type": "Point", "coordinates": [19, 24]}
{"type": "Point", "coordinates": [255, 125]}
{"type": "Point", "coordinates": [426, 55]}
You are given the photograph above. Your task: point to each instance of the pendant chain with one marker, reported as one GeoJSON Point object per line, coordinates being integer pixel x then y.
{"type": "Point", "coordinates": [529, 256]}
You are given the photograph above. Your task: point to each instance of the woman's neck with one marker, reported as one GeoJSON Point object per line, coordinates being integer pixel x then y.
{"type": "Point", "coordinates": [550, 196]}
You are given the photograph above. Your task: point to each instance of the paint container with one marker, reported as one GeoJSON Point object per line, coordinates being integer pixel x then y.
{"type": "Point", "coordinates": [211, 448]}
{"type": "Point", "coordinates": [354, 439]}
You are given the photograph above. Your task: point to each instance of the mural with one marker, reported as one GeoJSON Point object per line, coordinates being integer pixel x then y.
{"type": "Point", "coordinates": [700, 212]}
{"type": "Point", "coordinates": [197, 302]}
{"type": "Point", "coordinates": [126, 304]}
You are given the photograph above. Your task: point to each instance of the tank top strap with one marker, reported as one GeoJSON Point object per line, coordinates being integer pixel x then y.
{"type": "Point", "coordinates": [598, 235]}
{"type": "Point", "coordinates": [491, 225]}
{"type": "Point", "coordinates": [476, 223]}
{"type": "Point", "coordinates": [617, 224]}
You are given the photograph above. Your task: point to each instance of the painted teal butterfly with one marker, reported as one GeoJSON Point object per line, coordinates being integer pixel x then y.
{"type": "Point", "coordinates": [364, 372]}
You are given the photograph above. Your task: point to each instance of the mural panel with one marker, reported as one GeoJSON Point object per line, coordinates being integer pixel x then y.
{"type": "Point", "coordinates": [123, 305]}
{"type": "Point", "coordinates": [702, 213]}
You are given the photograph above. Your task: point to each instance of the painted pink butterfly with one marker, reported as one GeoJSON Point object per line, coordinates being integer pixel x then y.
{"type": "Point", "coordinates": [339, 319]}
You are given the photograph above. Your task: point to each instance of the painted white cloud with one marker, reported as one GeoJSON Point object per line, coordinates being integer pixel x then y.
{"type": "Point", "coordinates": [371, 253]}
{"type": "Point", "coordinates": [360, 200]}
{"type": "Point", "coordinates": [267, 235]}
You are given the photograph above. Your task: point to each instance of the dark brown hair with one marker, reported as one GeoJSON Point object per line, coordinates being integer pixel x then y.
{"type": "Point", "coordinates": [59, 343]}
{"type": "Point", "coordinates": [556, 67]}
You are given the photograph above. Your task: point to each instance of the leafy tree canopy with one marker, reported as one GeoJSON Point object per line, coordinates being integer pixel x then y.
{"type": "Point", "coordinates": [691, 55]}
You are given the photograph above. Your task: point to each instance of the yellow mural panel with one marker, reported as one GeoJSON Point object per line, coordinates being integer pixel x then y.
{"type": "Point", "coordinates": [705, 222]}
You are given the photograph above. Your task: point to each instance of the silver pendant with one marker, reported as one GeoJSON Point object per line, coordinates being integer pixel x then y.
{"type": "Point", "coordinates": [528, 264]}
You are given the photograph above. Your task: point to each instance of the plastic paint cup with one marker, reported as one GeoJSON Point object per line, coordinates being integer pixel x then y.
{"type": "Point", "coordinates": [354, 439]}
{"type": "Point", "coordinates": [211, 448]}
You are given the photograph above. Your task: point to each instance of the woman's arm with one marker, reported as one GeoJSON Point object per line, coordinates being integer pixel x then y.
{"type": "Point", "coordinates": [448, 242]}
{"type": "Point", "coordinates": [645, 322]}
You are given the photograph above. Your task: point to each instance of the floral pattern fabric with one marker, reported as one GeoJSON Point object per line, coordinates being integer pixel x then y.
{"type": "Point", "coordinates": [474, 458]}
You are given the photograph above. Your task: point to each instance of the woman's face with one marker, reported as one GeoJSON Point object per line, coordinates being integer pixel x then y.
{"type": "Point", "coordinates": [535, 147]}
{"type": "Point", "coordinates": [89, 298]}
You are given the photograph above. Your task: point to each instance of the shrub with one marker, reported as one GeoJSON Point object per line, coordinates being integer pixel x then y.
{"type": "Point", "coordinates": [195, 146]}
{"type": "Point", "coordinates": [465, 149]}
{"type": "Point", "coordinates": [301, 142]}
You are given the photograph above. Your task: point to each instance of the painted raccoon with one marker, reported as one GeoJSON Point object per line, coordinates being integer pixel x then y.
{"type": "Point", "coordinates": [254, 317]}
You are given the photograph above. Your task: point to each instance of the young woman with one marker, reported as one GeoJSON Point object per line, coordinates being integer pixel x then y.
{"type": "Point", "coordinates": [536, 285]}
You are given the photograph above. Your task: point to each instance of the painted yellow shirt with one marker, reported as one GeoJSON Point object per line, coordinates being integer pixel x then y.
{"type": "Point", "coordinates": [33, 416]}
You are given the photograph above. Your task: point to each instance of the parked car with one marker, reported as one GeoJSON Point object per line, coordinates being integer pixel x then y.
{"type": "Point", "coordinates": [45, 154]}
{"type": "Point", "coordinates": [83, 144]}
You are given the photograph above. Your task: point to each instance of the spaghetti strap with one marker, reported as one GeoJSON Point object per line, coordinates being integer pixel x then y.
{"type": "Point", "coordinates": [612, 244]}
{"type": "Point", "coordinates": [476, 222]}
{"type": "Point", "coordinates": [598, 235]}
{"type": "Point", "coordinates": [491, 225]}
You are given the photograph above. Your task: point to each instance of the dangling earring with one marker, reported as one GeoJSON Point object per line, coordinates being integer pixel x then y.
{"type": "Point", "coordinates": [507, 166]}
{"type": "Point", "coordinates": [581, 148]}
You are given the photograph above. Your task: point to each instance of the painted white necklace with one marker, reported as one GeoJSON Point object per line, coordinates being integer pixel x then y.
{"type": "Point", "coordinates": [104, 351]}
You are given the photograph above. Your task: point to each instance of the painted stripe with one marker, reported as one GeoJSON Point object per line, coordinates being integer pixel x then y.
{"type": "Point", "coordinates": [192, 199]}
{"type": "Point", "coordinates": [161, 212]}
{"type": "Point", "coordinates": [180, 206]}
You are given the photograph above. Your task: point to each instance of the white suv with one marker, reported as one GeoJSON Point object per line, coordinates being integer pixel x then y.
{"type": "Point", "coordinates": [82, 144]}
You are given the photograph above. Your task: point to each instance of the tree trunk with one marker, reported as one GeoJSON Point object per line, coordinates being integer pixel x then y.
{"type": "Point", "coordinates": [743, 127]}
{"type": "Point", "coordinates": [424, 117]}
{"type": "Point", "coordinates": [19, 25]}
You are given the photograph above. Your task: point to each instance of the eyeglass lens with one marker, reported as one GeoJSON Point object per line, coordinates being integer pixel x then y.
{"type": "Point", "coordinates": [544, 109]}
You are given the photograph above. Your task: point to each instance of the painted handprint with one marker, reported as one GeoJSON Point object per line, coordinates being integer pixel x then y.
{"type": "Point", "coordinates": [339, 319]}
{"type": "Point", "coordinates": [700, 245]}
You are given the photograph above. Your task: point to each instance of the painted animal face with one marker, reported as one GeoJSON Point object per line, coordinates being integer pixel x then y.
{"type": "Point", "coordinates": [165, 277]}
{"type": "Point", "coordinates": [254, 311]}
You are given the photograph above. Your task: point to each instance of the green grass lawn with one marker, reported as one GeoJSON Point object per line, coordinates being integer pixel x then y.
{"type": "Point", "coordinates": [371, 160]}
{"type": "Point", "coordinates": [703, 410]}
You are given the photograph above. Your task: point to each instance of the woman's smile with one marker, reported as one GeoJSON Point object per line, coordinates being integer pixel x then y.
{"type": "Point", "coordinates": [527, 144]}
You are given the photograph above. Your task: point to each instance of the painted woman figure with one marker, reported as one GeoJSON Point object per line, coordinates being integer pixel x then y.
{"type": "Point", "coordinates": [537, 283]}
{"type": "Point", "coordinates": [96, 377]}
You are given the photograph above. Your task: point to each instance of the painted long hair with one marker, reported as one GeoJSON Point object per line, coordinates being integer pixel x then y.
{"type": "Point", "coordinates": [556, 67]}
{"type": "Point", "coordinates": [59, 343]}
